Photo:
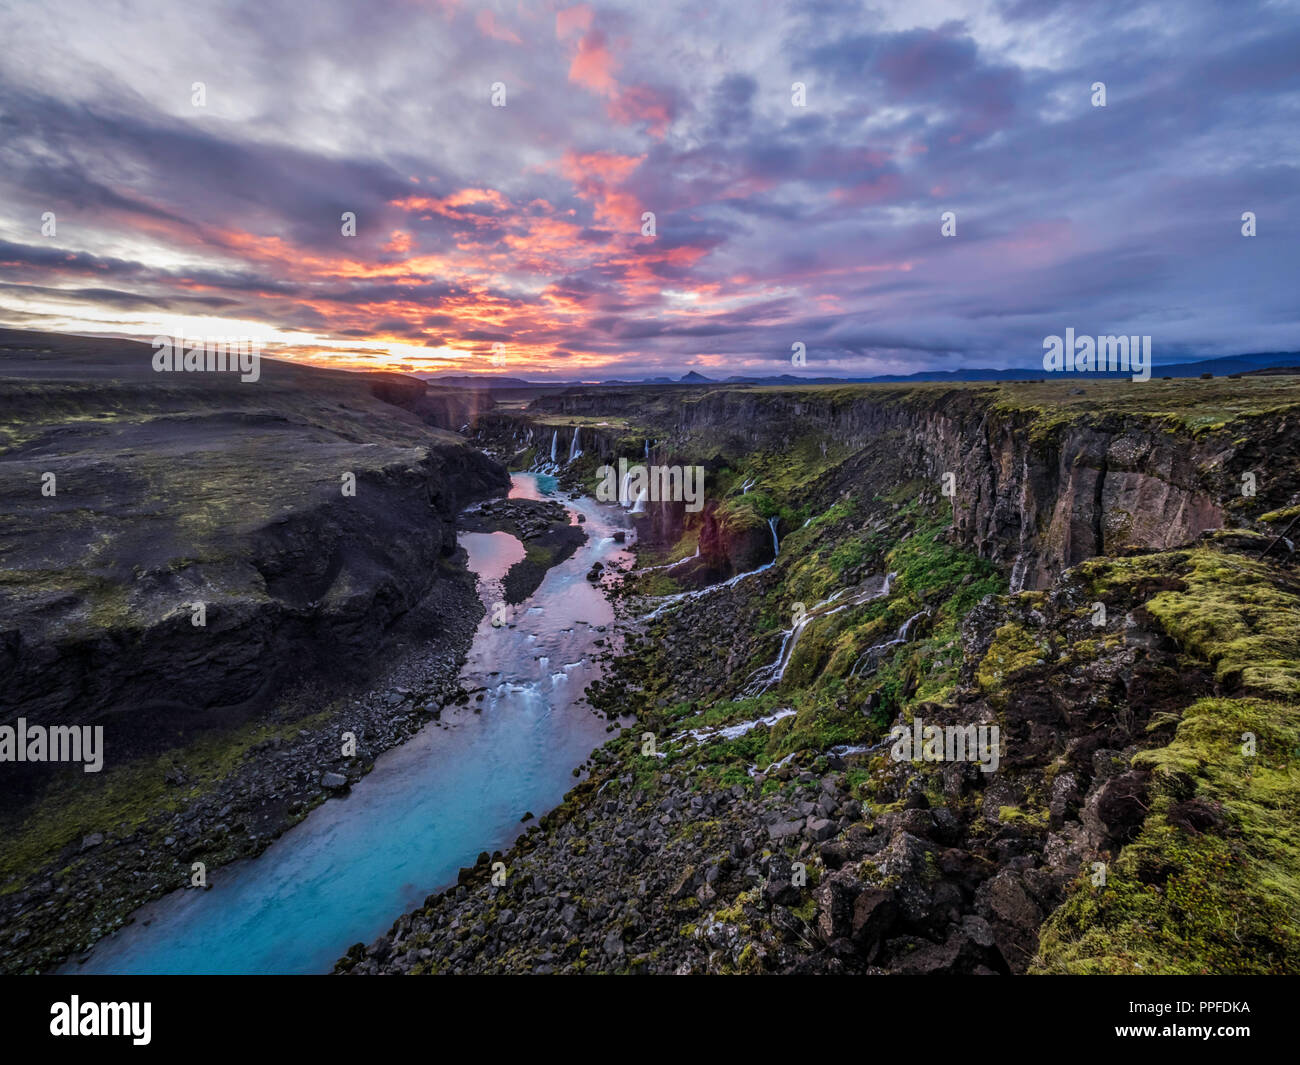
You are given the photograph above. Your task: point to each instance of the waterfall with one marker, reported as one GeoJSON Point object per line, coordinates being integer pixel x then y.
{"type": "Point", "coordinates": [639, 506]}
{"type": "Point", "coordinates": [623, 500]}
{"type": "Point", "coordinates": [906, 629]}
{"type": "Point", "coordinates": [647, 447]}
{"type": "Point", "coordinates": [669, 565]}
{"type": "Point", "coordinates": [667, 602]}
{"type": "Point", "coordinates": [573, 448]}
{"type": "Point", "coordinates": [871, 656]}
{"type": "Point", "coordinates": [555, 436]}
{"type": "Point", "coordinates": [731, 732]}
{"type": "Point", "coordinates": [770, 675]}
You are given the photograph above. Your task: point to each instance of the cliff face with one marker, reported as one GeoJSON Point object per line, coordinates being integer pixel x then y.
{"type": "Point", "coordinates": [452, 409]}
{"type": "Point", "coordinates": [1041, 481]}
{"type": "Point", "coordinates": [206, 541]}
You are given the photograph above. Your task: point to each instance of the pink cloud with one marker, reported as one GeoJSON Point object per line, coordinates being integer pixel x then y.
{"type": "Point", "coordinates": [593, 66]}
{"type": "Point", "coordinates": [570, 20]}
{"type": "Point", "coordinates": [487, 25]}
{"type": "Point", "coordinates": [638, 104]}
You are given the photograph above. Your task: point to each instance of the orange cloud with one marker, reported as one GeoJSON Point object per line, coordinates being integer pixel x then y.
{"type": "Point", "coordinates": [450, 206]}
{"type": "Point", "coordinates": [593, 66]}
{"type": "Point", "coordinates": [400, 242]}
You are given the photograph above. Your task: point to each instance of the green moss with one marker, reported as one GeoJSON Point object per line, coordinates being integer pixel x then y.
{"type": "Point", "coordinates": [1012, 650]}
{"type": "Point", "coordinates": [1217, 889]}
{"type": "Point", "coordinates": [1015, 815]}
{"type": "Point", "coordinates": [1284, 514]}
{"type": "Point", "coordinates": [1234, 616]}
{"type": "Point", "coordinates": [1221, 900]}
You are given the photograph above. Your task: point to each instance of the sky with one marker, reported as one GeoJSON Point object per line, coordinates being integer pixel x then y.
{"type": "Point", "coordinates": [668, 186]}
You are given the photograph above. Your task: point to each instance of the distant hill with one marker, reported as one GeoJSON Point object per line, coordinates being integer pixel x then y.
{"type": "Point", "coordinates": [478, 381]}
{"type": "Point", "coordinates": [1219, 366]}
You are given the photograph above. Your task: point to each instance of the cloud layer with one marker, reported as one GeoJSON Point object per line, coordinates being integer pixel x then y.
{"type": "Point", "coordinates": [796, 157]}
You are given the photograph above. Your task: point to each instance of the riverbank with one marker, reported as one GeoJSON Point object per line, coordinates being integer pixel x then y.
{"type": "Point", "coordinates": [507, 744]}
{"type": "Point", "coordinates": [542, 526]}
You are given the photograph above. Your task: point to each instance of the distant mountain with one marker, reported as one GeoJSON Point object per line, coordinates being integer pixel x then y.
{"type": "Point", "coordinates": [1219, 366]}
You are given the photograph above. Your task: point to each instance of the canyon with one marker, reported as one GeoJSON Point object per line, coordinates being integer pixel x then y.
{"type": "Point", "coordinates": [750, 828]}
{"type": "Point", "coordinates": [866, 558]}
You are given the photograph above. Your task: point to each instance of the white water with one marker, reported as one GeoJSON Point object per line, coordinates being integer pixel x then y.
{"type": "Point", "coordinates": [573, 447]}
{"type": "Point", "coordinates": [670, 601]}
{"type": "Point", "coordinates": [731, 732]}
{"type": "Point", "coordinates": [555, 437]}
{"type": "Point", "coordinates": [904, 630]}
{"type": "Point", "coordinates": [769, 676]}
{"type": "Point", "coordinates": [668, 565]}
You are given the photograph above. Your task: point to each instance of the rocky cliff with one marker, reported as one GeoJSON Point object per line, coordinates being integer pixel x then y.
{"type": "Point", "coordinates": [180, 546]}
{"type": "Point", "coordinates": [1045, 475]}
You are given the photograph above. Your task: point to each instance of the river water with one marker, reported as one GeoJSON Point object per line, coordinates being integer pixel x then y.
{"type": "Point", "coordinates": [428, 807]}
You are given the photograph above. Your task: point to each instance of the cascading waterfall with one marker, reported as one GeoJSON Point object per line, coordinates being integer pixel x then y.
{"type": "Point", "coordinates": [670, 601]}
{"type": "Point", "coordinates": [555, 438]}
{"type": "Point", "coordinates": [639, 506]}
{"type": "Point", "coordinates": [871, 656]}
{"type": "Point", "coordinates": [624, 500]}
{"type": "Point", "coordinates": [769, 676]}
{"type": "Point", "coordinates": [573, 447]}
{"type": "Point", "coordinates": [670, 565]}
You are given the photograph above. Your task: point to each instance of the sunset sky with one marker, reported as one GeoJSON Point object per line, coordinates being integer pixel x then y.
{"type": "Point", "coordinates": [775, 223]}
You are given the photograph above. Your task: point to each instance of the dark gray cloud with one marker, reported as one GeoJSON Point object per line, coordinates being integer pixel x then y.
{"type": "Point", "coordinates": [521, 224]}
